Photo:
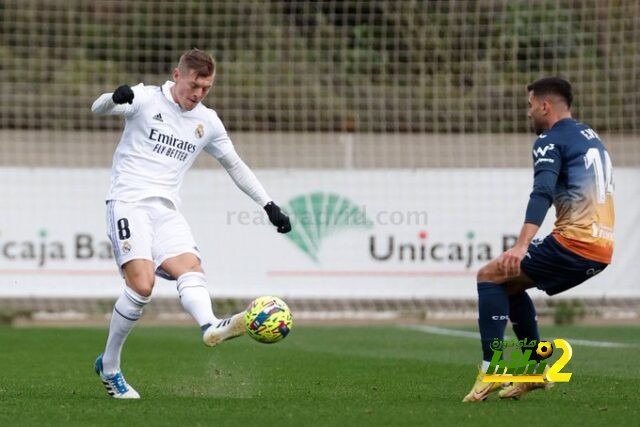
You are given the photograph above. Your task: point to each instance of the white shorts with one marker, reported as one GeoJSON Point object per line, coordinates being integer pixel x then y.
{"type": "Point", "coordinates": [148, 229]}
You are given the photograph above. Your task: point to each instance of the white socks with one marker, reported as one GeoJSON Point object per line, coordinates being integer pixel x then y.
{"type": "Point", "coordinates": [195, 298]}
{"type": "Point", "coordinates": [126, 311]}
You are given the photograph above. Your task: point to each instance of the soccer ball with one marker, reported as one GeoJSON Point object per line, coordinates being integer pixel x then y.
{"type": "Point", "coordinates": [268, 319]}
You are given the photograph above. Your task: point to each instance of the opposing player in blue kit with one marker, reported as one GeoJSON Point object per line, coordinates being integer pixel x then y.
{"type": "Point", "coordinates": [572, 170]}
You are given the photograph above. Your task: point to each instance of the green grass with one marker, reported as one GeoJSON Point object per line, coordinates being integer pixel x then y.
{"type": "Point", "coordinates": [321, 376]}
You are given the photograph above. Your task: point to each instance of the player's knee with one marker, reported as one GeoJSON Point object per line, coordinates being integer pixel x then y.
{"type": "Point", "coordinates": [142, 286]}
{"type": "Point", "coordinates": [141, 281]}
{"type": "Point", "coordinates": [484, 274]}
{"type": "Point", "coordinates": [144, 289]}
{"type": "Point", "coordinates": [195, 267]}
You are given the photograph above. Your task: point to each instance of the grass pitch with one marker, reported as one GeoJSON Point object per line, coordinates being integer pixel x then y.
{"type": "Point", "coordinates": [386, 376]}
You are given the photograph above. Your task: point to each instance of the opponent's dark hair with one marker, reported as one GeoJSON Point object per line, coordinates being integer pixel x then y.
{"type": "Point", "coordinates": [552, 86]}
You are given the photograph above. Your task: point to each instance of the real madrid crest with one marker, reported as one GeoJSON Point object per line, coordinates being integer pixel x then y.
{"type": "Point", "coordinates": [126, 247]}
{"type": "Point", "coordinates": [199, 131]}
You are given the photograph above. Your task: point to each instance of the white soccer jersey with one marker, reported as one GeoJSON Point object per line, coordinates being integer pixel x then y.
{"type": "Point", "coordinates": [159, 143]}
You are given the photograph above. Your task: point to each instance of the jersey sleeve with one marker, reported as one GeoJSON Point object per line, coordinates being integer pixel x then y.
{"type": "Point", "coordinates": [541, 198]}
{"type": "Point", "coordinates": [547, 163]}
{"type": "Point", "coordinates": [104, 105]}
{"type": "Point", "coordinates": [244, 178]}
{"type": "Point", "coordinates": [219, 142]}
{"type": "Point", "coordinates": [546, 156]}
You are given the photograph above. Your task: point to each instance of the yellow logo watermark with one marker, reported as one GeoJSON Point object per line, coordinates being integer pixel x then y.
{"type": "Point", "coordinates": [522, 369]}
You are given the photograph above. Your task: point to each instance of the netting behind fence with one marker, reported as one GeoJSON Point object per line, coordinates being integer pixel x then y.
{"type": "Point", "coordinates": [398, 67]}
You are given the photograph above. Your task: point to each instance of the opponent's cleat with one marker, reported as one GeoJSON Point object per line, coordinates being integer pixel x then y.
{"type": "Point", "coordinates": [517, 390]}
{"type": "Point", "coordinates": [481, 390]}
{"type": "Point", "coordinates": [116, 385]}
{"type": "Point", "coordinates": [224, 329]}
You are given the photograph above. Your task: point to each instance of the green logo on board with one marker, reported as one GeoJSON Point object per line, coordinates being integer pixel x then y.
{"type": "Point", "coordinates": [316, 216]}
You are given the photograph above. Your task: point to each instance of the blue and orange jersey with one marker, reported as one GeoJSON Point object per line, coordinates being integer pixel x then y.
{"type": "Point", "coordinates": [583, 194]}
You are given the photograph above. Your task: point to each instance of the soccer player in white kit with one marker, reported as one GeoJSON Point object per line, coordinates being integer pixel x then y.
{"type": "Point", "coordinates": [165, 129]}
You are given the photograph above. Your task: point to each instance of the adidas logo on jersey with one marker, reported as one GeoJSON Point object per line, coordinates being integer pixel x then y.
{"type": "Point", "coordinates": [158, 117]}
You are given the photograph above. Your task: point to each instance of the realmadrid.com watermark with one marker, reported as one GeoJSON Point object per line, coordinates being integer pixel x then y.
{"type": "Point", "coordinates": [353, 217]}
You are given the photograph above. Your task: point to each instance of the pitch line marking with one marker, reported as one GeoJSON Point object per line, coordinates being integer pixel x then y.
{"type": "Point", "coordinates": [435, 330]}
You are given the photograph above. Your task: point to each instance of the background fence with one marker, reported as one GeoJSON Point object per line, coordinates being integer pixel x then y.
{"type": "Point", "coordinates": [356, 86]}
{"type": "Point", "coordinates": [323, 67]}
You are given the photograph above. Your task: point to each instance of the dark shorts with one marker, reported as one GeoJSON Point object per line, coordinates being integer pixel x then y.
{"type": "Point", "coordinates": [555, 269]}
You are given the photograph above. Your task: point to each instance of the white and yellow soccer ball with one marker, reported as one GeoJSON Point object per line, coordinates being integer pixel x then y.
{"type": "Point", "coordinates": [268, 319]}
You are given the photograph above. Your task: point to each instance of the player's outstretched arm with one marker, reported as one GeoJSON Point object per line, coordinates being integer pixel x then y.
{"type": "Point", "coordinates": [246, 180]}
{"type": "Point", "coordinates": [118, 102]}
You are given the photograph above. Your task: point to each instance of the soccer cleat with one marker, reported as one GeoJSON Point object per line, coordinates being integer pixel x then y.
{"type": "Point", "coordinates": [481, 390]}
{"type": "Point", "coordinates": [116, 385]}
{"type": "Point", "coordinates": [517, 390]}
{"type": "Point", "coordinates": [224, 329]}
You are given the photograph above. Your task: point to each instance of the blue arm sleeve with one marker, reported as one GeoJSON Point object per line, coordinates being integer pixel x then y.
{"type": "Point", "coordinates": [544, 183]}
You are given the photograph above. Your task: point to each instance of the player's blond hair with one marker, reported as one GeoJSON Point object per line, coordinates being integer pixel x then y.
{"type": "Point", "coordinates": [199, 61]}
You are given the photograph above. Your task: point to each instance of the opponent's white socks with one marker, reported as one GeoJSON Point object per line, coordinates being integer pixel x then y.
{"type": "Point", "coordinates": [195, 298]}
{"type": "Point", "coordinates": [126, 312]}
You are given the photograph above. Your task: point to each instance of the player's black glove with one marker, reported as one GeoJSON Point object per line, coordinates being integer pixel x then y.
{"type": "Point", "coordinates": [123, 95]}
{"type": "Point", "coordinates": [277, 218]}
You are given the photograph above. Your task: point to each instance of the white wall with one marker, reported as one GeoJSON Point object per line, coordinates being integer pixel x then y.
{"type": "Point", "coordinates": [46, 212]}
